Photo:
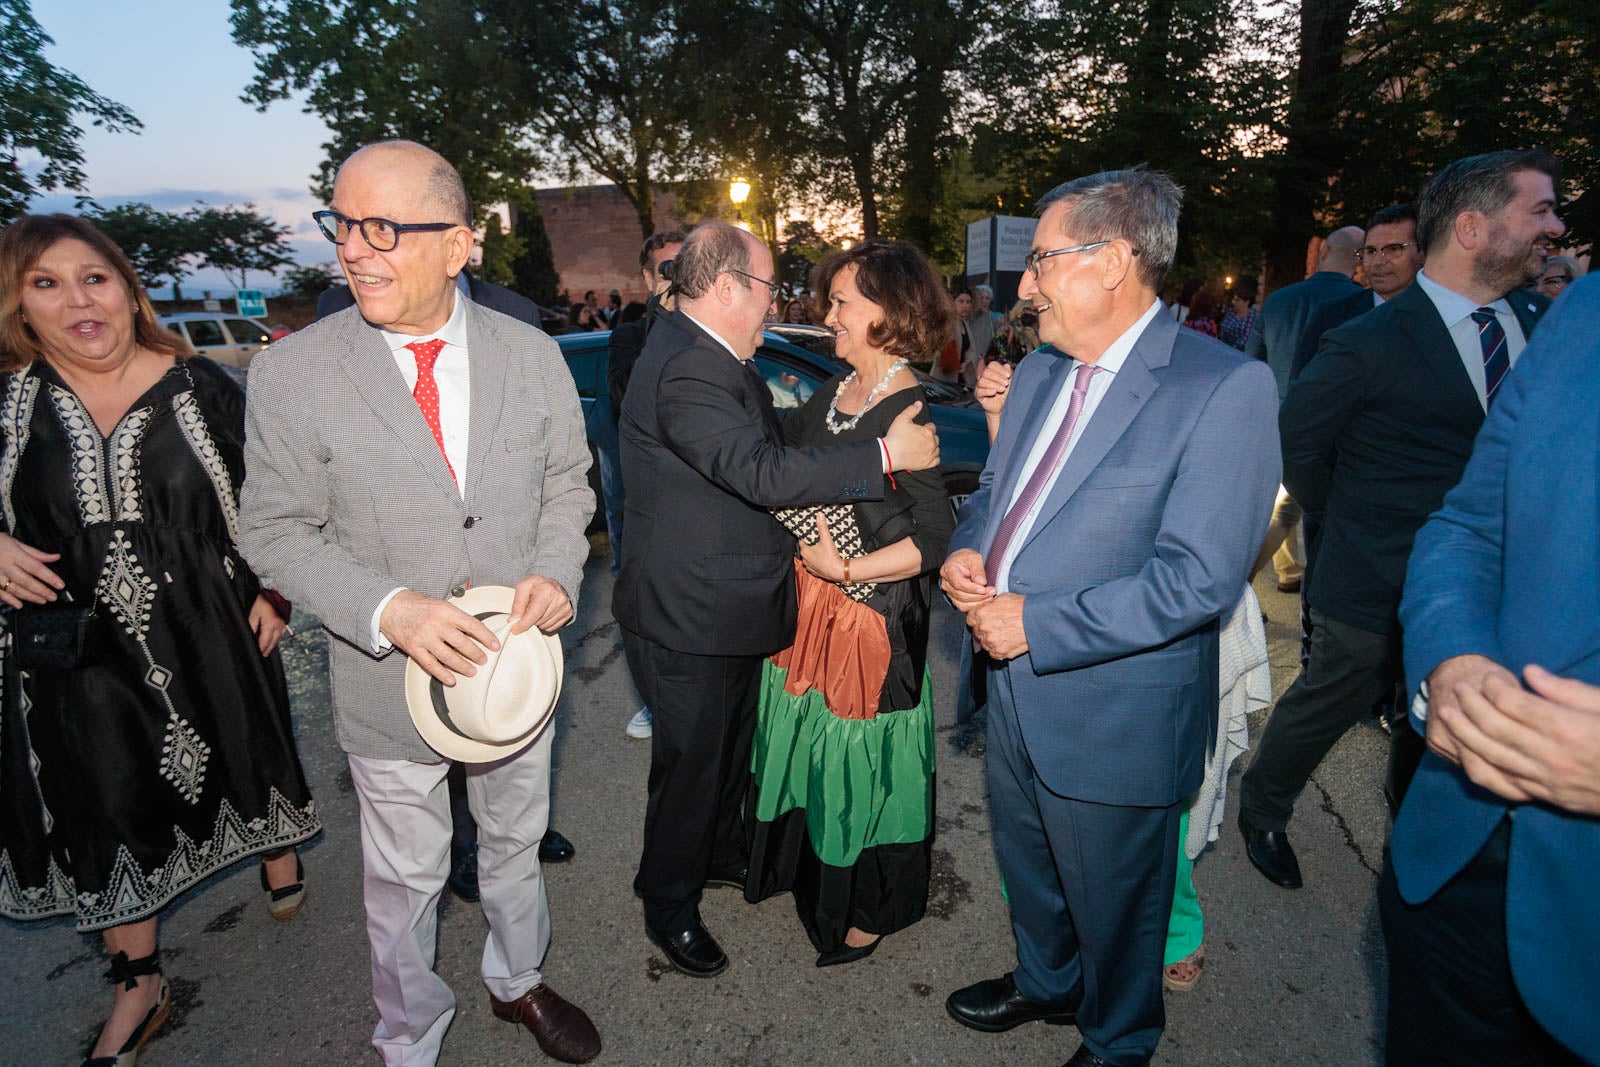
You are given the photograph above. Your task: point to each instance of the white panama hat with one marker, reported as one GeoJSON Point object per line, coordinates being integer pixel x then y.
{"type": "Point", "coordinates": [499, 710]}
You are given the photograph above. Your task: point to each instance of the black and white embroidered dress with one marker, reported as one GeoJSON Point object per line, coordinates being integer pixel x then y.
{"type": "Point", "coordinates": [127, 781]}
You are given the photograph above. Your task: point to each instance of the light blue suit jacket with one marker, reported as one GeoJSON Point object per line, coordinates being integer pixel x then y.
{"type": "Point", "coordinates": [1508, 569]}
{"type": "Point", "coordinates": [1144, 540]}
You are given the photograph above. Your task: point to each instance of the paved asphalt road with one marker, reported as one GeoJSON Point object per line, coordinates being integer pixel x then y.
{"type": "Point", "coordinates": [1292, 978]}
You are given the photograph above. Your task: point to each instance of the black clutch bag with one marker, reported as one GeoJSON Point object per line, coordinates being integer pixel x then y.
{"type": "Point", "coordinates": [59, 638]}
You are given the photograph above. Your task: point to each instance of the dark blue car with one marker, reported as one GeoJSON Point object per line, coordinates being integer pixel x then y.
{"type": "Point", "coordinates": [795, 361]}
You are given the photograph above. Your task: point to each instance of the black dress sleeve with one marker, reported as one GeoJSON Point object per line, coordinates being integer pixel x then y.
{"type": "Point", "coordinates": [916, 505]}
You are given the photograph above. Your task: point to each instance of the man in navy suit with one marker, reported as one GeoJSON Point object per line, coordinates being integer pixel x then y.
{"type": "Point", "coordinates": [1488, 897]}
{"type": "Point", "coordinates": [1117, 517]}
{"type": "Point", "coordinates": [1376, 430]}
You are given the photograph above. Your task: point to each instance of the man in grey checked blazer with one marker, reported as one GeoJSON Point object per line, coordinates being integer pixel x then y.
{"type": "Point", "coordinates": [371, 511]}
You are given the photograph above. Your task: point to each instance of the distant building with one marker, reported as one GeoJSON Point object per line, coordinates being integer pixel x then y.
{"type": "Point", "coordinates": [595, 237]}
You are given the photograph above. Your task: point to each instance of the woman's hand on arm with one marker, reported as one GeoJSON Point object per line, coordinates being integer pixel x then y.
{"type": "Point", "coordinates": [267, 625]}
{"type": "Point", "coordinates": [888, 564]}
{"type": "Point", "coordinates": [25, 575]}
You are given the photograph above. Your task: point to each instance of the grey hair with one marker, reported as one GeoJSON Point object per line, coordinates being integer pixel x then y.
{"type": "Point", "coordinates": [1136, 205]}
{"type": "Point", "coordinates": [1482, 183]}
{"type": "Point", "coordinates": [983, 289]}
{"type": "Point", "coordinates": [1566, 263]}
{"type": "Point", "coordinates": [712, 249]}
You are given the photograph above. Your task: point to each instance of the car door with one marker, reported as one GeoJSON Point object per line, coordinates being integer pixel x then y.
{"type": "Point", "coordinates": [209, 340]}
{"type": "Point", "coordinates": [248, 339]}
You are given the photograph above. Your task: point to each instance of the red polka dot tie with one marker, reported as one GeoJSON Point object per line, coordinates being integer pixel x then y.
{"type": "Point", "coordinates": [426, 393]}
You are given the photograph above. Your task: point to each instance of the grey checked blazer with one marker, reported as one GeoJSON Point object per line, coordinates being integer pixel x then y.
{"type": "Point", "coordinates": [347, 496]}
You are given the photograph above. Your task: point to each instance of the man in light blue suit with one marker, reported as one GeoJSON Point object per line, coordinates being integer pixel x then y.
{"type": "Point", "coordinates": [1489, 896]}
{"type": "Point", "coordinates": [1122, 505]}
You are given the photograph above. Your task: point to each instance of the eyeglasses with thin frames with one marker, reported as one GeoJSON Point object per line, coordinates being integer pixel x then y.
{"type": "Point", "coordinates": [382, 234]}
{"type": "Point", "coordinates": [1377, 253]}
{"type": "Point", "coordinates": [1031, 261]}
{"type": "Point", "coordinates": [773, 288]}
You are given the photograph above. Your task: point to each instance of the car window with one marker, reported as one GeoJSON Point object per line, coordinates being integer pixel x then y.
{"type": "Point", "coordinates": [586, 365]}
{"type": "Point", "coordinates": [205, 333]}
{"type": "Point", "coordinates": [246, 332]}
{"type": "Point", "coordinates": [790, 386]}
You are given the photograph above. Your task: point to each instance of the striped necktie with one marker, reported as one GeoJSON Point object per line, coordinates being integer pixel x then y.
{"type": "Point", "coordinates": [1496, 356]}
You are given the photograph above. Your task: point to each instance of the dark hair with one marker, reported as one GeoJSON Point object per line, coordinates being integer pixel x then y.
{"type": "Point", "coordinates": [713, 249]}
{"type": "Point", "coordinates": [1135, 205]}
{"type": "Point", "coordinates": [21, 246]}
{"type": "Point", "coordinates": [658, 241]}
{"type": "Point", "coordinates": [1202, 305]}
{"type": "Point", "coordinates": [1388, 216]}
{"type": "Point", "coordinates": [1190, 287]}
{"type": "Point", "coordinates": [918, 313]}
{"type": "Point", "coordinates": [1482, 183]}
{"type": "Point", "coordinates": [964, 291]}
{"type": "Point", "coordinates": [1245, 289]}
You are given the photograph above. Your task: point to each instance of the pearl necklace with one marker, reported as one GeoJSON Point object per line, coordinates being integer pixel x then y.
{"type": "Point", "coordinates": [837, 427]}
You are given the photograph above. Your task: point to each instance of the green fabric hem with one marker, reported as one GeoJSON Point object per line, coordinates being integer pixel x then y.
{"type": "Point", "coordinates": [862, 782]}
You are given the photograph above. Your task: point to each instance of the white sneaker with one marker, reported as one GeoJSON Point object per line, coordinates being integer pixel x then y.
{"type": "Point", "coordinates": [639, 726]}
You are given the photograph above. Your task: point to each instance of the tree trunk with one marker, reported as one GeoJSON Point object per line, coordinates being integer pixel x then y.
{"type": "Point", "coordinates": [1312, 152]}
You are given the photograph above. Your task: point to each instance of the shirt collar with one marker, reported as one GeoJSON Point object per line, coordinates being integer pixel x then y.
{"type": "Point", "coordinates": [1116, 354]}
{"type": "Point", "coordinates": [1452, 306]}
{"type": "Point", "coordinates": [715, 336]}
{"type": "Point", "coordinates": [453, 333]}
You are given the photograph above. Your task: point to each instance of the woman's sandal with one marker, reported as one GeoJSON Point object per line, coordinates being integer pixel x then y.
{"type": "Point", "coordinates": [285, 902]}
{"type": "Point", "coordinates": [128, 972]}
{"type": "Point", "coordinates": [1181, 977]}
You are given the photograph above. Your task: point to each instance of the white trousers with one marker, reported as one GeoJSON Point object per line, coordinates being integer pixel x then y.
{"type": "Point", "coordinates": [405, 857]}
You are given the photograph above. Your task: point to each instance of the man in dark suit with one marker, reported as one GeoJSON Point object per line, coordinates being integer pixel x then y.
{"type": "Point", "coordinates": [554, 848]}
{"type": "Point", "coordinates": [1391, 257]}
{"type": "Point", "coordinates": [1488, 895]}
{"type": "Point", "coordinates": [707, 584]}
{"type": "Point", "coordinates": [1116, 519]}
{"type": "Point", "coordinates": [1274, 340]}
{"type": "Point", "coordinates": [1375, 431]}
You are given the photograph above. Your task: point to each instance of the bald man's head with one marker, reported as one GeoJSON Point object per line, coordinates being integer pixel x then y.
{"type": "Point", "coordinates": [1339, 250]}
{"type": "Point", "coordinates": [439, 184]}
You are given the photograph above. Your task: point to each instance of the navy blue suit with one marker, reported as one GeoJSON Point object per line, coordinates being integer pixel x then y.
{"type": "Point", "coordinates": [1100, 730]}
{"type": "Point", "coordinates": [1485, 578]}
{"type": "Point", "coordinates": [1281, 324]}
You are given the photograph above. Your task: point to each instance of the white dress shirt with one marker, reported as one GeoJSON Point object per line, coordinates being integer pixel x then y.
{"type": "Point", "coordinates": [1456, 311]}
{"type": "Point", "coordinates": [452, 375]}
{"type": "Point", "coordinates": [1110, 363]}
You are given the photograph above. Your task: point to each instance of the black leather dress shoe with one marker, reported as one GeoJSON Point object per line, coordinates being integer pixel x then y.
{"type": "Point", "coordinates": [728, 879]}
{"type": "Point", "coordinates": [463, 880]}
{"type": "Point", "coordinates": [694, 952]}
{"type": "Point", "coordinates": [1084, 1058]}
{"type": "Point", "coordinates": [1271, 854]}
{"type": "Point", "coordinates": [995, 1005]}
{"type": "Point", "coordinates": [555, 848]}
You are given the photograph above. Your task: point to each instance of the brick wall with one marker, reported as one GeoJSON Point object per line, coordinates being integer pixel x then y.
{"type": "Point", "coordinates": [595, 237]}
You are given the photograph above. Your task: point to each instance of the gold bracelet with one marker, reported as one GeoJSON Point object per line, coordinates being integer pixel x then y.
{"type": "Point", "coordinates": [847, 571]}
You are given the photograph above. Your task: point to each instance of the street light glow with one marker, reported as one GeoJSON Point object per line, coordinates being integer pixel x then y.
{"type": "Point", "coordinates": [738, 191]}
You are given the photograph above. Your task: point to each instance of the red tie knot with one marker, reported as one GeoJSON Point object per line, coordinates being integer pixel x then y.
{"type": "Point", "coordinates": [427, 352]}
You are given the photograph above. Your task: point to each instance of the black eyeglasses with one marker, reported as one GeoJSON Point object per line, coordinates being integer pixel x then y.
{"type": "Point", "coordinates": [1031, 261]}
{"type": "Point", "coordinates": [381, 234]}
{"type": "Point", "coordinates": [1374, 253]}
{"type": "Point", "coordinates": [774, 288]}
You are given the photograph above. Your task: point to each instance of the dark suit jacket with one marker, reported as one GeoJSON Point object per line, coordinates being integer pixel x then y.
{"type": "Point", "coordinates": [1325, 317]}
{"type": "Point", "coordinates": [1508, 570]}
{"type": "Point", "coordinates": [489, 295]}
{"type": "Point", "coordinates": [627, 341]}
{"type": "Point", "coordinates": [1276, 335]}
{"type": "Point", "coordinates": [706, 569]}
{"type": "Point", "coordinates": [1376, 430]}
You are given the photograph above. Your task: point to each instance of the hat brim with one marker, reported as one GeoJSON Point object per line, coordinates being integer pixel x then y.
{"type": "Point", "coordinates": [421, 688]}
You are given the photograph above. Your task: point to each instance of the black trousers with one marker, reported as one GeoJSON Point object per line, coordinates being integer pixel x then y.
{"type": "Point", "coordinates": [1452, 1000]}
{"type": "Point", "coordinates": [1350, 670]}
{"type": "Point", "coordinates": [704, 711]}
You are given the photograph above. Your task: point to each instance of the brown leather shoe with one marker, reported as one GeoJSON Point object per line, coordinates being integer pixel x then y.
{"type": "Point", "coordinates": [562, 1029]}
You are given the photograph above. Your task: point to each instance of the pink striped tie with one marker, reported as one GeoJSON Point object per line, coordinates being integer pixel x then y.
{"type": "Point", "coordinates": [1041, 476]}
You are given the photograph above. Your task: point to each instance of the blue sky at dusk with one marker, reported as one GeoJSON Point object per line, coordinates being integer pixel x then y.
{"type": "Point", "coordinates": [176, 66]}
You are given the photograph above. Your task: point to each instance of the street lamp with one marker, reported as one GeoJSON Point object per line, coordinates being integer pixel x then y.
{"type": "Point", "coordinates": [739, 192]}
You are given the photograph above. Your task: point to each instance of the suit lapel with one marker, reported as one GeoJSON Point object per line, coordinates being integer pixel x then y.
{"type": "Point", "coordinates": [1527, 310]}
{"type": "Point", "coordinates": [1127, 395]}
{"type": "Point", "coordinates": [488, 361]}
{"type": "Point", "coordinates": [1420, 322]}
{"type": "Point", "coordinates": [371, 368]}
{"type": "Point", "coordinates": [1033, 424]}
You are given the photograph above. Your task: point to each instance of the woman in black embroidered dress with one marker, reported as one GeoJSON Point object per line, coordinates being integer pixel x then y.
{"type": "Point", "coordinates": [136, 764]}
